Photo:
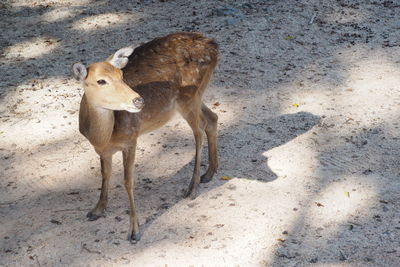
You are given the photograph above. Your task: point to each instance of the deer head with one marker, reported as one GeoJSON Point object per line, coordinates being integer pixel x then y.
{"type": "Point", "coordinates": [104, 85]}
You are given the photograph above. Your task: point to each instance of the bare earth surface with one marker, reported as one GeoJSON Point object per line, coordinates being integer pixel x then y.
{"type": "Point", "coordinates": [308, 98]}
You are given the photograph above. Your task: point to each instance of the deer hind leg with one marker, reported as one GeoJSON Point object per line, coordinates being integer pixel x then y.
{"type": "Point", "coordinates": [211, 131]}
{"type": "Point", "coordinates": [198, 123]}
{"type": "Point", "coordinates": [99, 210]}
{"type": "Point", "coordinates": [129, 181]}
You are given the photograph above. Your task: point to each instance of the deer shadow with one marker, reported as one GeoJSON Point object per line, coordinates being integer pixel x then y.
{"type": "Point", "coordinates": [241, 149]}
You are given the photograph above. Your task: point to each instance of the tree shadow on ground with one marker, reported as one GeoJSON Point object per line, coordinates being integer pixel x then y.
{"type": "Point", "coordinates": [260, 138]}
{"type": "Point", "coordinates": [333, 226]}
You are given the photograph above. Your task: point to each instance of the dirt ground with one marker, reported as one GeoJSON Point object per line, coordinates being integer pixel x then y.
{"type": "Point", "coordinates": [308, 99]}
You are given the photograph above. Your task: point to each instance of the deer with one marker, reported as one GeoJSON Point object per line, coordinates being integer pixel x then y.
{"type": "Point", "coordinates": [137, 90]}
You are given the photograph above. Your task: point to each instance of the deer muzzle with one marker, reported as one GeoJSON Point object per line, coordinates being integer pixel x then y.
{"type": "Point", "coordinates": [138, 102]}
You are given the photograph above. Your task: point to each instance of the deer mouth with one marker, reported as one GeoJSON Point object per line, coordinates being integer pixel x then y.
{"type": "Point", "coordinates": [130, 108]}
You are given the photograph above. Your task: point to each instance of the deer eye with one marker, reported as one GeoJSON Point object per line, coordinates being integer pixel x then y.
{"type": "Point", "coordinates": [101, 82]}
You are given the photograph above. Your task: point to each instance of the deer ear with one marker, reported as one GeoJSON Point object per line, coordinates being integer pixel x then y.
{"type": "Point", "coordinates": [120, 58]}
{"type": "Point", "coordinates": [79, 71]}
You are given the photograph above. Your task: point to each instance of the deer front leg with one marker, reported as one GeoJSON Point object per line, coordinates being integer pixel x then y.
{"type": "Point", "coordinates": [99, 210]}
{"type": "Point", "coordinates": [129, 181]}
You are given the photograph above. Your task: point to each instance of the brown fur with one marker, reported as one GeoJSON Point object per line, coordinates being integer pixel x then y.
{"type": "Point", "coordinates": [170, 74]}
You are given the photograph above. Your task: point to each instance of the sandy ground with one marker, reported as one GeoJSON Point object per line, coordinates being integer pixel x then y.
{"type": "Point", "coordinates": [308, 98]}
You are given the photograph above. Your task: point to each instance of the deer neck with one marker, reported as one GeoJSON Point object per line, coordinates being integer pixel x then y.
{"type": "Point", "coordinates": [95, 123]}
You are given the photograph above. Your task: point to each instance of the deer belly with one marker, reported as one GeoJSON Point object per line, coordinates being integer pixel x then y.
{"type": "Point", "coordinates": [153, 121]}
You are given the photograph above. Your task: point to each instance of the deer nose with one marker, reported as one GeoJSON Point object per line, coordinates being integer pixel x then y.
{"type": "Point", "coordinates": [138, 102]}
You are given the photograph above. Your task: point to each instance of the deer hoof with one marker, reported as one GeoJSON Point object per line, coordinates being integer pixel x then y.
{"type": "Point", "coordinates": [134, 237]}
{"type": "Point", "coordinates": [92, 216]}
{"type": "Point", "coordinates": [191, 193]}
{"type": "Point", "coordinates": [205, 179]}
